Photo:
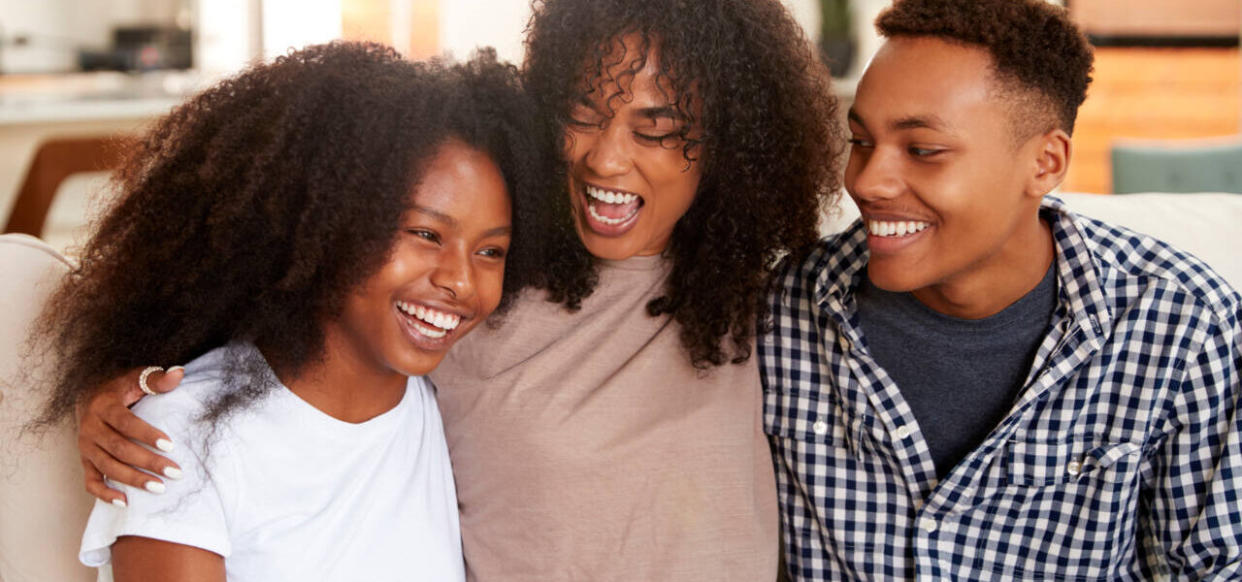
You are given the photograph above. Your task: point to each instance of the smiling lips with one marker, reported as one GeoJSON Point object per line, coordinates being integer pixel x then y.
{"type": "Point", "coordinates": [890, 228]}
{"type": "Point", "coordinates": [611, 208]}
{"type": "Point", "coordinates": [432, 323]}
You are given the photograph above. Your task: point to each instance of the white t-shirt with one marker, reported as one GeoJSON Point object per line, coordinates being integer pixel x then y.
{"type": "Point", "coordinates": [290, 493]}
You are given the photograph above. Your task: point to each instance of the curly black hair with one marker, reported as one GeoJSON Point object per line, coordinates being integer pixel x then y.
{"type": "Point", "coordinates": [251, 211]}
{"type": "Point", "coordinates": [1033, 44]}
{"type": "Point", "coordinates": [771, 138]}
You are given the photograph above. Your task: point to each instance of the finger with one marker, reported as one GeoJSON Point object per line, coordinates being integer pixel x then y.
{"type": "Point", "coordinates": [162, 382]}
{"type": "Point", "coordinates": [123, 388]}
{"type": "Point", "coordinates": [119, 472]}
{"type": "Point", "coordinates": [113, 440]}
{"type": "Point", "coordinates": [105, 416]}
{"type": "Point", "coordinates": [96, 486]}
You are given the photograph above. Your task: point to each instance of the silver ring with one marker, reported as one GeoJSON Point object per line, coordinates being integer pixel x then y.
{"type": "Point", "coordinates": [142, 378]}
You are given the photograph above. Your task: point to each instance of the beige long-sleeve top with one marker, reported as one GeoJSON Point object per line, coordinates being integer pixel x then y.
{"type": "Point", "coordinates": [586, 447]}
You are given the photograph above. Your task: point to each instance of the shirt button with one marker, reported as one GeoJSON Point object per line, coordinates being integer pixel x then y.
{"type": "Point", "coordinates": [928, 524]}
{"type": "Point", "coordinates": [1074, 467]}
{"type": "Point", "coordinates": [904, 431]}
{"type": "Point", "coordinates": [820, 427]}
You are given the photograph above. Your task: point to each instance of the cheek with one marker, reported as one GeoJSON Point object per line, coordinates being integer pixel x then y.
{"type": "Point", "coordinates": [574, 147]}
{"type": "Point", "coordinates": [490, 286]}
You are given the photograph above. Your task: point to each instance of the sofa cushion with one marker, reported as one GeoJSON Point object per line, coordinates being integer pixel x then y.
{"type": "Point", "coordinates": [43, 506]}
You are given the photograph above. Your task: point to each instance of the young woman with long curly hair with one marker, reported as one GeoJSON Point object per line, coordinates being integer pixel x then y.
{"type": "Point", "coordinates": [311, 236]}
{"type": "Point", "coordinates": [611, 428]}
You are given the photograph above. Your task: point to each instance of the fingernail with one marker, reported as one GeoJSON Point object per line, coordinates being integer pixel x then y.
{"type": "Point", "coordinates": [176, 369]}
{"type": "Point", "coordinates": [118, 502]}
{"type": "Point", "coordinates": [172, 472]}
{"type": "Point", "coordinates": [154, 487]}
{"type": "Point", "coordinates": [164, 445]}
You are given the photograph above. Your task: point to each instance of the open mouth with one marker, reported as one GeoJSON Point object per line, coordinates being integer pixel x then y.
{"type": "Point", "coordinates": [432, 323]}
{"type": "Point", "coordinates": [610, 212]}
{"type": "Point", "coordinates": [895, 228]}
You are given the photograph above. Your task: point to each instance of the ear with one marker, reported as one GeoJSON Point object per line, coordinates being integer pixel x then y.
{"type": "Point", "coordinates": [1051, 161]}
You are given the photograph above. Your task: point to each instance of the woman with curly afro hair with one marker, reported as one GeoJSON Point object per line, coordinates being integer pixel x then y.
{"type": "Point", "coordinates": [611, 428]}
{"type": "Point", "coordinates": [311, 236]}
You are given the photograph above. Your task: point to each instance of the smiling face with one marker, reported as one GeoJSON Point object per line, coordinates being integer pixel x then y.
{"type": "Point", "coordinates": [629, 180]}
{"type": "Point", "coordinates": [949, 197]}
{"type": "Point", "coordinates": [443, 274]}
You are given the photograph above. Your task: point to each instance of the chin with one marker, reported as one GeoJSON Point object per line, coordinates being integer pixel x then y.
{"type": "Point", "coordinates": [607, 248]}
{"type": "Point", "coordinates": [421, 365]}
{"type": "Point", "coordinates": [892, 282]}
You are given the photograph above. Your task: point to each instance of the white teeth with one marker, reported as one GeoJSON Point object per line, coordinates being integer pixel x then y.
{"type": "Point", "coordinates": [430, 332]}
{"type": "Point", "coordinates": [443, 322]}
{"type": "Point", "coordinates": [610, 197]}
{"type": "Point", "coordinates": [610, 221]}
{"type": "Point", "coordinates": [895, 228]}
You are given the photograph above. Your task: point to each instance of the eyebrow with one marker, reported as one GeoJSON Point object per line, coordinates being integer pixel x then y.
{"type": "Point", "coordinates": [661, 112]}
{"type": "Point", "coordinates": [653, 112]}
{"type": "Point", "coordinates": [911, 122]}
{"type": "Point", "coordinates": [453, 222]}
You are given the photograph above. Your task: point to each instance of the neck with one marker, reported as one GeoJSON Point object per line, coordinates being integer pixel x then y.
{"type": "Point", "coordinates": [344, 386]}
{"type": "Point", "coordinates": [1006, 277]}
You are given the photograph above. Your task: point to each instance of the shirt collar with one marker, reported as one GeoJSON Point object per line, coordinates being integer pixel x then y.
{"type": "Point", "coordinates": [843, 266]}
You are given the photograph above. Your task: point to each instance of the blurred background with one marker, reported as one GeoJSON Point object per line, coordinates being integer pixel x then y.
{"type": "Point", "coordinates": [78, 78]}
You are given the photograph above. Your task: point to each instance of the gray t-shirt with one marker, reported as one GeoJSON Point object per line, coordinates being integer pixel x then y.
{"type": "Point", "coordinates": [959, 376]}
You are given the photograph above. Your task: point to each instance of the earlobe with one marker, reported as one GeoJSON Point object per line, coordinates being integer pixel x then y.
{"type": "Point", "coordinates": [1051, 162]}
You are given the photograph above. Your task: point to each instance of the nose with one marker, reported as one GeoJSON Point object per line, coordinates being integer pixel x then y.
{"type": "Point", "coordinates": [608, 151]}
{"type": "Point", "coordinates": [873, 174]}
{"type": "Point", "coordinates": [454, 273]}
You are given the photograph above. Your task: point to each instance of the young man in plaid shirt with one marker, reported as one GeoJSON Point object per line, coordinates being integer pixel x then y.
{"type": "Point", "coordinates": [973, 383]}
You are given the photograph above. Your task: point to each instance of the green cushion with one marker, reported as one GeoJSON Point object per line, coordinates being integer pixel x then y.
{"type": "Point", "coordinates": [1148, 168]}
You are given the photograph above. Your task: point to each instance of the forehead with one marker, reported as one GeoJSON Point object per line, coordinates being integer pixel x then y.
{"type": "Point", "coordinates": [462, 183]}
{"type": "Point", "coordinates": [924, 78]}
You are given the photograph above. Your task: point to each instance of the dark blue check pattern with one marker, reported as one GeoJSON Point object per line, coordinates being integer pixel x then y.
{"type": "Point", "coordinates": [1120, 460]}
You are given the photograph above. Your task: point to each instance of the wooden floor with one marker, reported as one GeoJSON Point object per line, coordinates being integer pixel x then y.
{"type": "Point", "coordinates": [1166, 93]}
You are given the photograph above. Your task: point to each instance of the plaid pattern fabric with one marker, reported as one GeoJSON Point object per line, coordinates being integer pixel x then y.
{"type": "Point", "coordinates": [1120, 460]}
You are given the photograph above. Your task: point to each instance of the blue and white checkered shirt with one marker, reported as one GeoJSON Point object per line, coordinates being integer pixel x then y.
{"type": "Point", "coordinates": [1120, 460]}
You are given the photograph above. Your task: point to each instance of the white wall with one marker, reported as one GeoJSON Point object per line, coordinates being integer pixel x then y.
{"type": "Point", "coordinates": [468, 24]}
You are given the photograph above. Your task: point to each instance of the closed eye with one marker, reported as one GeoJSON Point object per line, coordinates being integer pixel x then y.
{"type": "Point", "coordinates": [655, 138]}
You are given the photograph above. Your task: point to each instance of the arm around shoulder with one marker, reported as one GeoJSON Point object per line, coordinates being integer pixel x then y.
{"type": "Point", "coordinates": [139, 559]}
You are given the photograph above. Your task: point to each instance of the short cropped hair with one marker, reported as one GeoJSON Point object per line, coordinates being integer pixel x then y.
{"type": "Point", "coordinates": [1034, 46]}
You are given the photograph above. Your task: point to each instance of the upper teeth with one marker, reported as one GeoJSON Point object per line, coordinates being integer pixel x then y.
{"type": "Point", "coordinates": [898, 228]}
{"type": "Point", "coordinates": [609, 196]}
{"type": "Point", "coordinates": [440, 319]}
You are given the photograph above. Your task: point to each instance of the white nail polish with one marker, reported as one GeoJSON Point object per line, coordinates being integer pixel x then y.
{"type": "Point", "coordinates": [164, 445]}
{"type": "Point", "coordinates": [176, 369]}
{"type": "Point", "coordinates": [172, 472]}
{"type": "Point", "coordinates": [119, 502]}
{"type": "Point", "coordinates": [154, 487]}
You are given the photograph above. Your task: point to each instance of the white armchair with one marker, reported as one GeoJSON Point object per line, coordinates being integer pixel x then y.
{"type": "Point", "coordinates": [43, 505]}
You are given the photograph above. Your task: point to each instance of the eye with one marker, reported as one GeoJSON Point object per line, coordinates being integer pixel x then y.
{"type": "Point", "coordinates": [859, 142]}
{"type": "Point", "coordinates": [494, 253]}
{"type": "Point", "coordinates": [427, 235]}
{"type": "Point", "coordinates": [584, 117]}
{"type": "Point", "coordinates": [654, 138]}
{"type": "Point", "coordinates": [919, 152]}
